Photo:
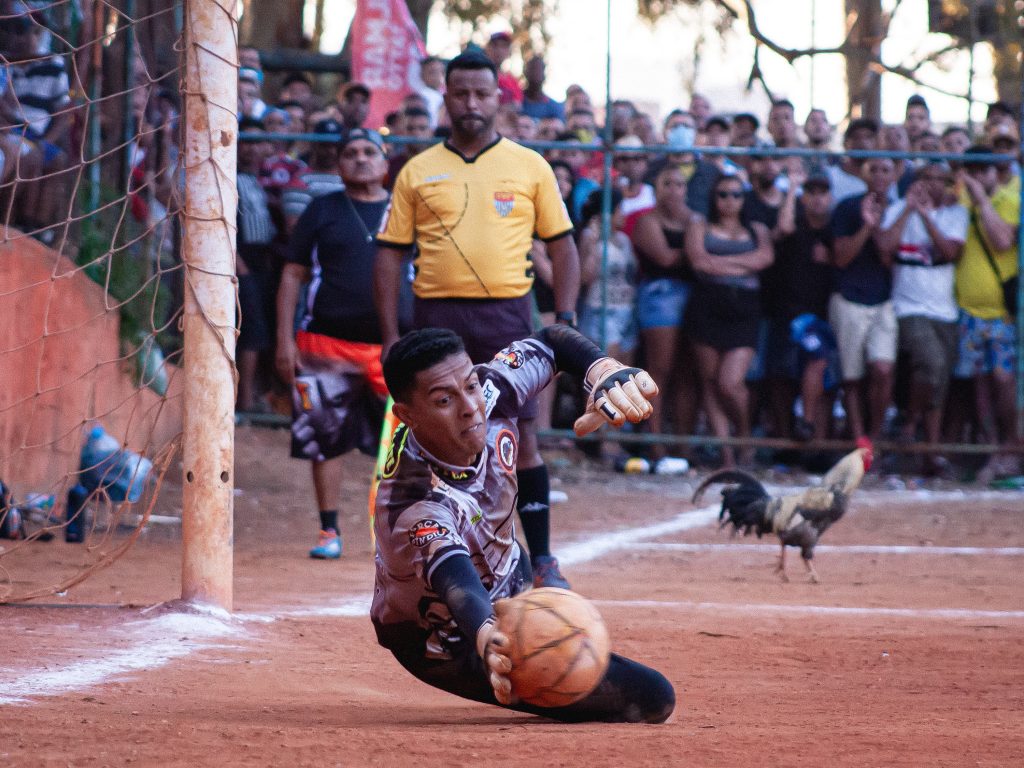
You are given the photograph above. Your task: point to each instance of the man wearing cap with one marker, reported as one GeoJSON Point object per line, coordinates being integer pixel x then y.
{"type": "Point", "coordinates": [353, 105]}
{"type": "Point", "coordinates": [256, 261]}
{"type": "Point", "coordinates": [333, 361]}
{"type": "Point", "coordinates": [631, 168]}
{"type": "Point", "coordinates": [320, 178]}
{"type": "Point", "coordinates": [988, 334]}
{"type": "Point", "coordinates": [801, 287]}
{"type": "Point", "coordinates": [472, 207]}
{"type": "Point", "coordinates": [1004, 139]}
{"type": "Point", "coordinates": [498, 50]}
{"type": "Point", "coordinates": [924, 237]}
{"type": "Point", "coordinates": [847, 178]}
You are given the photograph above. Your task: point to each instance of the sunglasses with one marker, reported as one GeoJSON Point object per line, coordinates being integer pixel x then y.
{"type": "Point", "coordinates": [725, 193]}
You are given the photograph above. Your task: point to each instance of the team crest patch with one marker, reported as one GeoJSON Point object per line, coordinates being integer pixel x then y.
{"type": "Point", "coordinates": [503, 203]}
{"type": "Point", "coordinates": [425, 531]}
{"type": "Point", "coordinates": [506, 448]}
{"type": "Point", "coordinates": [511, 358]}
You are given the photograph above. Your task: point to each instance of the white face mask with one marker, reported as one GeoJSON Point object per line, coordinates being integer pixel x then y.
{"type": "Point", "coordinates": [682, 137]}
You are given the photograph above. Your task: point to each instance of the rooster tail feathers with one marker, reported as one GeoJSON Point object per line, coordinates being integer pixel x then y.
{"type": "Point", "coordinates": [729, 476]}
{"type": "Point", "coordinates": [744, 502]}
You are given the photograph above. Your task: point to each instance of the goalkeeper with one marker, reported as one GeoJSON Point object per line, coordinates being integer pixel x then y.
{"type": "Point", "coordinates": [445, 520]}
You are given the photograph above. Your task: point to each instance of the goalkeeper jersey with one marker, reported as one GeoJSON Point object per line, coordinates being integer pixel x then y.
{"type": "Point", "coordinates": [428, 511]}
{"type": "Point", "coordinates": [473, 220]}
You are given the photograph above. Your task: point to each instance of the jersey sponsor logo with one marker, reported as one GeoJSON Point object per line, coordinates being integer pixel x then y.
{"type": "Point", "coordinates": [425, 531]}
{"type": "Point", "coordinates": [395, 452]}
{"type": "Point", "coordinates": [504, 202]}
{"type": "Point", "coordinates": [437, 177]}
{"type": "Point", "coordinates": [491, 395]}
{"type": "Point", "coordinates": [448, 474]}
{"type": "Point", "coordinates": [506, 448]}
{"type": "Point", "coordinates": [510, 357]}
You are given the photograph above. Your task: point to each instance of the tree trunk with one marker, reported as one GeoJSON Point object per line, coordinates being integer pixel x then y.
{"type": "Point", "coordinates": [420, 12]}
{"type": "Point", "coordinates": [272, 24]}
{"type": "Point", "coordinates": [863, 83]}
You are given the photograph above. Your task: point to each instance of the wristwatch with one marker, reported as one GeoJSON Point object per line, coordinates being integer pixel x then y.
{"type": "Point", "coordinates": [566, 318]}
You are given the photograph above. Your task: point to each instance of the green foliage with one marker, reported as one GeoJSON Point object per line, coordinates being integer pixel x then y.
{"type": "Point", "coordinates": [113, 256]}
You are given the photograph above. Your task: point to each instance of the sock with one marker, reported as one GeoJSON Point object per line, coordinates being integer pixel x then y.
{"type": "Point", "coordinates": [534, 509]}
{"type": "Point", "coordinates": [328, 519]}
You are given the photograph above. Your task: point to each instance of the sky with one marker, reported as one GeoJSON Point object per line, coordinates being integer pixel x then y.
{"type": "Point", "coordinates": [651, 65]}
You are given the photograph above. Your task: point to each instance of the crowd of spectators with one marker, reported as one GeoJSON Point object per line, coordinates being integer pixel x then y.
{"type": "Point", "coordinates": [802, 296]}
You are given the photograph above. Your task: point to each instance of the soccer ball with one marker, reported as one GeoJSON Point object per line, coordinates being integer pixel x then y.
{"type": "Point", "coordinates": [559, 646]}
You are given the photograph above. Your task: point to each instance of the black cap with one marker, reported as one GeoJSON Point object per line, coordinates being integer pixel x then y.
{"type": "Point", "coordinates": [364, 134]}
{"type": "Point", "coordinates": [977, 149]}
{"type": "Point", "coordinates": [748, 117]}
{"type": "Point", "coordinates": [329, 125]}
{"type": "Point", "coordinates": [355, 88]}
{"type": "Point", "coordinates": [818, 179]}
{"type": "Point", "coordinates": [247, 124]}
{"type": "Point", "coordinates": [718, 120]}
{"type": "Point", "coordinates": [859, 124]}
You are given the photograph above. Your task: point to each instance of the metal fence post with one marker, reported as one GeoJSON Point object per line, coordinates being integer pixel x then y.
{"type": "Point", "coordinates": [211, 201]}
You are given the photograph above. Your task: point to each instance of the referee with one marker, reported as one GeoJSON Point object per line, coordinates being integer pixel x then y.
{"type": "Point", "coordinates": [472, 206]}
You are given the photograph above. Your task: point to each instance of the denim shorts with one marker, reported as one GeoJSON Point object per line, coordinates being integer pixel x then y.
{"type": "Point", "coordinates": [619, 326]}
{"type": "Point", "coordinates": [661, 303]}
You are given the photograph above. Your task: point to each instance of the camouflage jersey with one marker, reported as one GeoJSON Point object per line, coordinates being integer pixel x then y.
{"type": "Point", "coordinates": [428, 511]}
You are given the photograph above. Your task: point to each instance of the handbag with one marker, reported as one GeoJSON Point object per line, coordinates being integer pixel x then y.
{"type": "Point", "coordinates": [1010, 287]}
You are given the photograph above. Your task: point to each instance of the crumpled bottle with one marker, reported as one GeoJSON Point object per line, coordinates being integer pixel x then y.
{"type": "Point", "coordinates": [107, 466]}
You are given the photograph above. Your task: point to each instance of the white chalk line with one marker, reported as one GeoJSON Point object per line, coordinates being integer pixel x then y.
{"type": "Point", "coordinates": [154, 645]}
{"type": "Point", "coordinates": [858, 549]}
{"type": "Point", "coordinates": [818, 610]}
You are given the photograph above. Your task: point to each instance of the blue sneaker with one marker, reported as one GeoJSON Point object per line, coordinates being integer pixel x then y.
{"type": "Point", "coordinates": [546, 573]}
{"type": "Point", "coordinates": [328, 546]}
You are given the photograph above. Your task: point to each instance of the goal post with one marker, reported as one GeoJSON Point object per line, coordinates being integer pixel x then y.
{"type": "Point", "coordinates": [209, 229]}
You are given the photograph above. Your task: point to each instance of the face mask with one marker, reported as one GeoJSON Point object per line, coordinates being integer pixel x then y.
{"type": "Point", "coordinates": [681, 137]}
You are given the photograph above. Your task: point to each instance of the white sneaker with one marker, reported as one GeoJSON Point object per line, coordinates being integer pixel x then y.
{"type": "Point", "coordinates": [557, 497]}
{"type": "Point", "coordinates": [671, 465]}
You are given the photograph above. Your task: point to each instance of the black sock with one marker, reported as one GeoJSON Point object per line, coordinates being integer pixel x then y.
{"type": "Point", "coordinates": [328, 519]}
{"type": "Point", "coordinates": [534, 509]}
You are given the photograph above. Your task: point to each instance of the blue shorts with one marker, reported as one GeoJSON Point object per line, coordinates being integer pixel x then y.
{"type": "Point", "coordinates": [660, 303]}
{"type": "Point", "coordinates": [620, 327]}
{"type": "Point", "coordinates": [985, 346]}
{"type": "Point", "coordinates": [786, 353]}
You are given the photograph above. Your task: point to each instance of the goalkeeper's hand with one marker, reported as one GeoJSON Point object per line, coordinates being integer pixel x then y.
{"type": "Point", "coordinates": [493, 647]}
{"type": "Point", "coordinates": [617, 394]}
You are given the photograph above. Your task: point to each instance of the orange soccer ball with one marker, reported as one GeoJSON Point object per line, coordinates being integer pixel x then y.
{"type": "Point", "coordinates": [560, 647]}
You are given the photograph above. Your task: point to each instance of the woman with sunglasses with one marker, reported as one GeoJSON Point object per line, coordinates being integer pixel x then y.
{"type": "Point", "coordinates": [724, 312]}
{"type": "Point", "coordinates": [664, 288]}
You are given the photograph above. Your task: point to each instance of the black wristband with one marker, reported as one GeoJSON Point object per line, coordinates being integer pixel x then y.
{"type": "Point", "coordinates": [566, 318]}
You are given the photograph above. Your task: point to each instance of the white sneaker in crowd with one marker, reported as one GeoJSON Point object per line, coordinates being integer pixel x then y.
{"type": "Point", "coordinates": [671, 465]}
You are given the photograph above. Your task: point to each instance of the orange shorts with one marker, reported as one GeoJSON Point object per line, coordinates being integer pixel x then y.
{"type": "Point", "coordinates": [346, 356]}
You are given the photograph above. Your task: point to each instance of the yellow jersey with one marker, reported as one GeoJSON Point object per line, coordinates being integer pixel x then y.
{"type": "Point", "coordinates": [978, 290]}
{"type": "Point", "coordinates": [474, 219]}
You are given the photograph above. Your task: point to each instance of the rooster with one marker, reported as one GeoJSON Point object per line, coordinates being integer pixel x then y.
{"type": "Point", "coordinates": [797, 519]}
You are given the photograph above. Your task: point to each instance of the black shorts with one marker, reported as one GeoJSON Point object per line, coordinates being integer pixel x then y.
{"type": "Point", "coordinates": [486, 326]}
{"type": "Point", "coordinates": [255, 303]}
{"type": "Point", "coordinates": [723, 316]}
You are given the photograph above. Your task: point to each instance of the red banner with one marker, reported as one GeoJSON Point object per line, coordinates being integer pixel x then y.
{"type": "Point", "coordinates": [386, 53]}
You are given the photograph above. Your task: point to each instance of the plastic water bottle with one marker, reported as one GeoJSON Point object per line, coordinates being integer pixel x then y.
{"type": "Point", "coordinates": [106, 465]}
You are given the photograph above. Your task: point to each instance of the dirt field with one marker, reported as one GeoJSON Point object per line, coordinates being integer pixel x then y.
{"type": "Point", "coordinates": [910, 652]}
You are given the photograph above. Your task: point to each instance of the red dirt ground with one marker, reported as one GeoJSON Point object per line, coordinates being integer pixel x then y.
{"type": "Point", "coordinates": [760, 680]}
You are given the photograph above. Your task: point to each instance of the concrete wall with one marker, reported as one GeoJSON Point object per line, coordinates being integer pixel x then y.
{"type": "Point", "coordinates": [61, 371]}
